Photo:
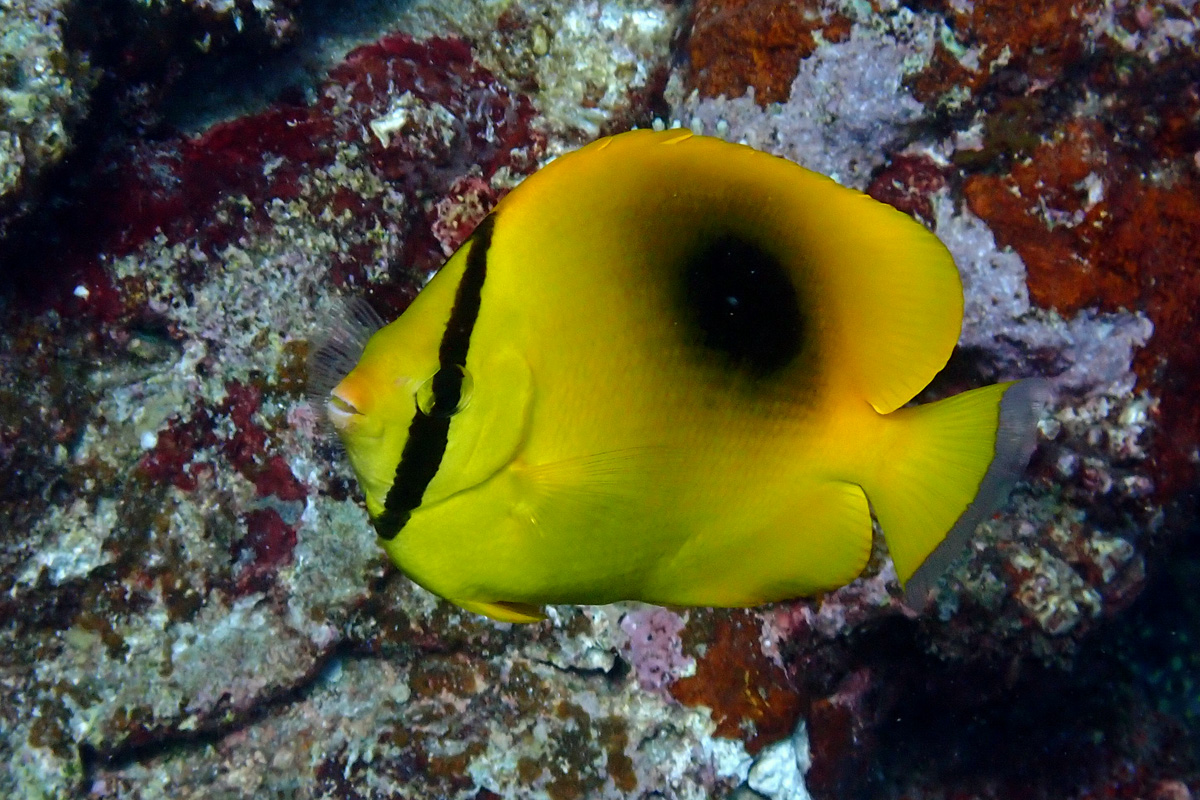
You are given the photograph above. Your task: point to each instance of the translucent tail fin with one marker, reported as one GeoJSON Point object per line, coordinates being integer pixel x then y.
{"type": "Point", "coordinates": [952, 464]}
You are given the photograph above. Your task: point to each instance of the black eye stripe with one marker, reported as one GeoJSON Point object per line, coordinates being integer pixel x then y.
{"type": "Point", "coordinates": [447, 391]}
{"type": "Point", "coordinates": [429, 433]}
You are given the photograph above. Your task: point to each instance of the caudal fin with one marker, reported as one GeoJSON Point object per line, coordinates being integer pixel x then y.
{"type": "Point", "coordinates": [952, 464]}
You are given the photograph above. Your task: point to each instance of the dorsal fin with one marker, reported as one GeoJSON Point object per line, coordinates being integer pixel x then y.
{"type": "Point", "coordinates": [889, 295]}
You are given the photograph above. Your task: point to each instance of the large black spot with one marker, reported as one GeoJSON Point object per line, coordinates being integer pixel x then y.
{"type": "Point", "coordinates": [743, 305]}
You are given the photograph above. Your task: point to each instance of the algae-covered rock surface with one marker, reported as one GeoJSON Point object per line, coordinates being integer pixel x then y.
{"type": "Point", "coordinates": [191, 597]}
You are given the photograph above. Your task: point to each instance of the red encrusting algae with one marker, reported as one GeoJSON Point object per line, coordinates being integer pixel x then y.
{"type": "Point", "coordinates": [736, 45]}
{"type": "Point", "coordinates": [751, 697]}
{"type": "Point", "coordinates": [908, 183]}
{"type": "Point", "coordinates": [1096, 231]}
{"type": "Point", "coordinates": [268, 545]}
{"type": "Point", "coordinates": [182, 186]}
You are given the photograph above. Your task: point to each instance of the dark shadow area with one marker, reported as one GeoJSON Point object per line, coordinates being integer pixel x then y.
{"type": "Point", "coordinates": [1125, 717]}
{"type": "Point", "coordinates": [247, 82]}
{"type": "Point", "coordinates": [155, 83]}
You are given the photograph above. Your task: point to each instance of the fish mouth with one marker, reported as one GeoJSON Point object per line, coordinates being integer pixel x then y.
{"type": "Point", "coordinates": [333, 355]}
{"type": "Point", "coordinates": [342, 413]}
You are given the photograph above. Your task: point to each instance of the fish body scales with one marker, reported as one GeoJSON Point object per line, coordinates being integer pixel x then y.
{"type": "Point", "coordinates": [672, 369]}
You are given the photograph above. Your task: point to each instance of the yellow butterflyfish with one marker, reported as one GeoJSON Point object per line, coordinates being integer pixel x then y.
{"type": "Point", "coordinates": [672, 369]}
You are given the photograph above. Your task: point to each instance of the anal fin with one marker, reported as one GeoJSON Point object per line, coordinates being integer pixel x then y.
{"type": "Point", "coordinates": [503, 611]}
{"type": "Point", "coordinates": [816, 538]}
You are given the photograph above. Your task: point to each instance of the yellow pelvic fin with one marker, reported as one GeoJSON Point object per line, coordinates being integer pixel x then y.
{"type": "Point", "coordinates": [947, 466]}
{"type": "Point", "coordinates": [502, 611]}
{"type": "Point", "coordinates": [818, 538]}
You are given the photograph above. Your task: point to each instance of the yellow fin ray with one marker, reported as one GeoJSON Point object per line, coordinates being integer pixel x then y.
{"type": "Point", "coordinates": [899, 296]}
{"type": "Point", "coordinates": [950, 465]}
{"type": "Point", "coordinates": [819, 539]}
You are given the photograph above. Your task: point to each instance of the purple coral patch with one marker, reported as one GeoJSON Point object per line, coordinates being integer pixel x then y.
{"type": "Point", "coordinates": [654, 647]}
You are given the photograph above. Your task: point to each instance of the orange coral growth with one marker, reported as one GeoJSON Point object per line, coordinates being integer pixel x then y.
{"type": "Point", "coordinates": [736, 44]}
{"type": "Point", "coordinates": [1155, 240]}
{"type": "Point", "coordinates": [751, 698]}
{"type": "Point", "coordinates": [1135, 244]}
{"type": "Point", "coordinates": [1039, 39]}
{"type": "Point", "coordinates": [1040, 210]}
{"type": "Point", "coordinates": [1041, 36]}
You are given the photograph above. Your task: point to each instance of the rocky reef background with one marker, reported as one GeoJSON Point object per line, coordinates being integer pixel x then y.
{"type": "Point", "coordinates": [191, 600]}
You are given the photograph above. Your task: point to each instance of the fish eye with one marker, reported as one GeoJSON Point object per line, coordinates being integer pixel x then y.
{"type": "Point", "coordinates": [446, 393]}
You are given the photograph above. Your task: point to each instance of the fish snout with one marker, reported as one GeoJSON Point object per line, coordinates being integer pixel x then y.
{"type": "Point", "coordinates": [346, 405]}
